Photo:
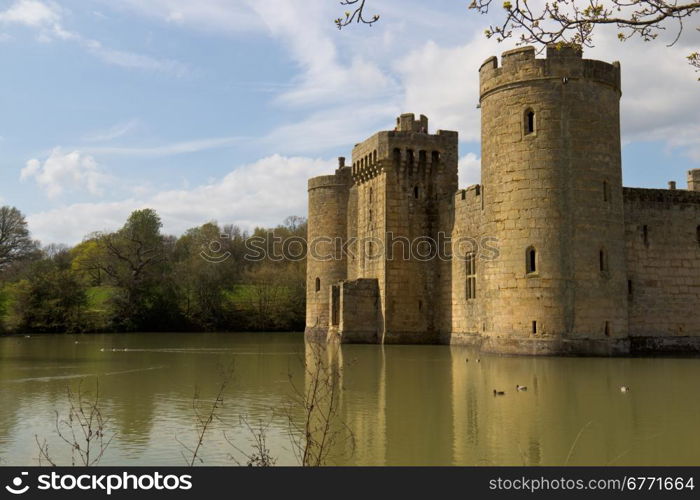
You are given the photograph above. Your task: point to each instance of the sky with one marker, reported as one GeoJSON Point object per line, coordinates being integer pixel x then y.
{"type": "Point", "coordinates": [220, 110]}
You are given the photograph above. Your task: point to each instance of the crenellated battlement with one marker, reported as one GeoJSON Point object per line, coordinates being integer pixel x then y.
{"type": "Point", "coordinates": [469, 193]}
{"type": "Point", "coordinates": [407, 123]}
{"type": "Point", "coordinates": [564, 63]}
{"type": "Point", "coordinates": [408, 143]}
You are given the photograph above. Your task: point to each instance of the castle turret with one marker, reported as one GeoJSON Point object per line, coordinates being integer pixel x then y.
{"type": "Point", "coordinates": [552, 187]}
{"type": "Point", "coordinates": [327, 232]}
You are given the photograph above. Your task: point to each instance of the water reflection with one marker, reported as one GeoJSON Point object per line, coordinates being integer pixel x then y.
{"type": "Point", "coordinates": [404, 404]}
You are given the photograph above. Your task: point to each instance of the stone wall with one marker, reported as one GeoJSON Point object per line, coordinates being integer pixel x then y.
{"type": "Point", "coordinates": [467, 316]}
{"type": "Point", "coordinates": [662, 234]}
{"type": "Point", "coordinates": [360, 315]}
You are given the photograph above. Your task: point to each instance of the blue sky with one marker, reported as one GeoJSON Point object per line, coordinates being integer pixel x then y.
{"type": "Point", "coordinates": [221, 109]}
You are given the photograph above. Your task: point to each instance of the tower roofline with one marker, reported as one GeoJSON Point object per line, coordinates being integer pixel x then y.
{"type": "Point", "coordinates": [562, 62]}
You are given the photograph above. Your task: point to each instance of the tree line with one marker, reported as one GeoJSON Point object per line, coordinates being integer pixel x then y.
{"type": "Point", "coordinates": [139, 279]}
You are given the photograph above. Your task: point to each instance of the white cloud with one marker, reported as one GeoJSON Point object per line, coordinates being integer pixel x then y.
{"type": "Point", "coordinates": [261, 193]}
{"type": "Point", "coordinates": [114, 132]}
{"type": "Point", "coordinates": [326, 76]}
{"type": "Point", "coordinates": [176, 148]}
{"type": "Point", "coordinates": [221, 16]}
{"type": "Point", "coordinates": [469, 170]}
{"type": "Point", "coordinates": [659, 92]}
{"type": "Point", "coordinates": [47, 19]}
{"type": "Point", "coordinates": [443, 83]}
{"type": "Point", "coordinates": [131, 60]}
{"type": "Point", "coordinates": [43, 16]}
{"type": "Point", "coordinates": [31, 13]}
{"type": "Point", "coordinates": [62, 172]}
{"type": "Point", "coordinates": [333, 127]}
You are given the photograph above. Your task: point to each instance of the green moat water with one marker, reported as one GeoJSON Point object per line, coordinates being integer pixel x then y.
{"type": "Point", "coordinates": [406, 405]}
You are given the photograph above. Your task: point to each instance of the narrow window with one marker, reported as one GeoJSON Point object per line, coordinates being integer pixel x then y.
{"type": "Point", "coordinates": [645, 234]}
{"type": "Point", "coordinates": [534, 327]}
{"type": "Point", "coordinates": [375, 156]}
{"type": "Point", "coordinates": [470, 268]}
{"type": "Point", "coordinates": [396, 156]}
{"type": "Point", "coordinates": [318, 284]}
{"type": "Point", "coordinates": [630, 289]}
{"type": "Point", "coordinates": [370, 215]}
{"type": "Point", "coordinates": [531, 260]}
{"type": "Point", "coordinates": [607, 328]}
{"type": "Point", "coordinates": [416, 192]}
{"type": "Point", "coordinates": [420, 305]}
{"type": "Point", "coordinates": [697, 234]}
{"type": "Point", "coordinates": [529, 121]}
{"type": "Point", "coordinates": [335, 305]}
{"type": "Point", "coordinates": [606, 191]}
{"type": "Point", "coordinates": [602, 261]}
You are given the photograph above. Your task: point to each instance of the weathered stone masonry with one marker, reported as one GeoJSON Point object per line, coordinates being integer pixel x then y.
{"type": "Point", "coordinates": [583, 265]}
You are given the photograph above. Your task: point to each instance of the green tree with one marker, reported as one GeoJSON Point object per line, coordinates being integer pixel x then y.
{"type": "Point", "coordinates": [15, 241]}
{"type": "Point", "coordinates": [88, 260]}
{"type": "Point", "coordinates": [200, 277]}
{"type": "Point", "coordinates": [4, 299]}
{"type": "Point", "coordinates": [53, 298]}
{"type": "Point", "coordinates": [136, 262]}
{"type": "Point", "coordinates": [275, 287]}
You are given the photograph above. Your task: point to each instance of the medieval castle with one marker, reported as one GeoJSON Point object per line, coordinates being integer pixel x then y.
{"type": "Point", "coordinates": [550, 254]}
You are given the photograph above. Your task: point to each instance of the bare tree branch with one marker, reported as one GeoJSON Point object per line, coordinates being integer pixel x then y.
{"type": "Point", "coordinates": [205, 420]}
{"type": "Point", "coordinates": [261, 455]}
{"type": "Point", "coordinates": [355, 14]}
{"type": "Point", "coordinates": [321, 429]}
{"type": "Point", "coordinates": [82, 429]}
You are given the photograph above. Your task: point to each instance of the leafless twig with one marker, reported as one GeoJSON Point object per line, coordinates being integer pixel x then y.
{"type": "Point", "coordinates": [321, 428]}
{"type": "Point", "coordinates": [82, 429]}
{"type": "Point", "coordinates": [261, 455]}
{"type": "Point", "coordinates": [205, 419]}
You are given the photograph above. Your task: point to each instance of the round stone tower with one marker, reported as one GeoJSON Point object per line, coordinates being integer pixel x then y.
{"type": "Point", "coordinates": [327, 231]}
{"type": "Point", "coordinates": [552, 187]}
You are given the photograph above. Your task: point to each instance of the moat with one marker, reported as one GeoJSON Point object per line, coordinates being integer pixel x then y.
{"type": "Point", "coordinates": [406, 405]}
